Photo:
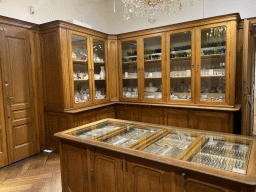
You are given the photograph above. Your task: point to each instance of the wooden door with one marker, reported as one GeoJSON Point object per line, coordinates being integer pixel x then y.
{"type": "Point", "coordinates": [144, 179]}
{"type": "Point", "coordinates": [3, 142]}
{"type": "Point", "coordinates": [248, 79]}
{"type": "Point", "coordinates": [18, 93]}
{"type": "Point", "coordinates": [106, 172]}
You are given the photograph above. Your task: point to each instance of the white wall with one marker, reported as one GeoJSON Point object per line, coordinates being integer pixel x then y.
{"type": "Point", "coordinates": [201, 9]}
{"type": "Point", "coordinates": [91, 12]}
{"type": "Point", "coordinates": [100, 16]}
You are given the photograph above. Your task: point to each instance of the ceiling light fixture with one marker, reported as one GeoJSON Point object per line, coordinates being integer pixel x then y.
{"type": "Point", "coordinates": [150, 8]}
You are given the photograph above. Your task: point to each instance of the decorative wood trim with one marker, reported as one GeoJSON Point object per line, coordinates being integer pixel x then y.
{"type": "Point", "coordinates": [18, 23]}
{"type": "Point", "coordinates": [71, 26]}
{"type": "Point", "coordinates": [184, 25]}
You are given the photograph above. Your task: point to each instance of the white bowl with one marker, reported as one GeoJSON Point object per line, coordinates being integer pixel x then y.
{"type": "Point", "coordinates": [151, 89]}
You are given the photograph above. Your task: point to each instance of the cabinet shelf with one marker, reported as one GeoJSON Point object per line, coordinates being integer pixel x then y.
{"type": "Point", "coordinates": [130, 78]}
{"type": "Point", "coordinates": [213, 76]}
{"type": "Point", "coordinates": [99, 63]}
{"type": "Point", "coordinates": [213, 56]}
{"type": "Point", "coordinates": [181, 77]}
{"type": "Point", "coordinates": [131, 62]}
{"type": "Point", "coordinates": [180, 58]}
{"type": "Point", "coordinates": [152, 61]}
{"type": "Point", "coordinates": [81, 79]}
{"type": "Point", "coordinates": [153, 77]}
{"type": "Point", "coordinates": [100, 79]}
{"type": "Point", "coordinates": [79, 61]}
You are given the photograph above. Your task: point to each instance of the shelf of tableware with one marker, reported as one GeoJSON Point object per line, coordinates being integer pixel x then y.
{"type": "Point", "coordinates": [81, 79]}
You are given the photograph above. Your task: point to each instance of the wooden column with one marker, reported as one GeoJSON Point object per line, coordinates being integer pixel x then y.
{"type": "Point", "coordinates": [113, 68]}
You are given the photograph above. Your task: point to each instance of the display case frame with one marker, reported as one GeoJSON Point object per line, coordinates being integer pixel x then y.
{"type": "Point", "coordinates": [182, 171]}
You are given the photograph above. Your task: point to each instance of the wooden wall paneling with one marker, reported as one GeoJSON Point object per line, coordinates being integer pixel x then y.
{"type": "Point", "coordinates": [37, 79]}
{"type": "Point", "coordinates": [74, 171]}
{"type": "Point", "coordinates": [64, 63]}
{"type": "Point", "coordinates": [113, 65]}
{"type": "Point", "coordinates": [106, 171]}
{"type": "Point", "coordinates": [179, 118]}
{"type": "Point", "coordinates": [248, 79]}
{"type": "Point", "coordinates": [153, 115]}
{"type": "Point", "coordinates": [55, 122]}
{"type": "Point", "coordinates": [53, 92]}
{"type": "Point", "coordinates": [143, 176]}
{"type": "Point", "coordinates": [127, 112]}
{"type": "Point", "coordinates": [214, 121]}
{"type": "Point", "coordinates": [19, 105]}
{"type": "Point", "coordinates": [239, 65]}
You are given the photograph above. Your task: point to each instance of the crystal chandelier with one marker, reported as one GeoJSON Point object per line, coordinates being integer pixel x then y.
{"type": "Point", "coordinates": [150, 8]}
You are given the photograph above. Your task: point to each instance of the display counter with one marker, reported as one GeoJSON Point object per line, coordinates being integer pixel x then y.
{"type": "Point", "coordinates": [117, 155]}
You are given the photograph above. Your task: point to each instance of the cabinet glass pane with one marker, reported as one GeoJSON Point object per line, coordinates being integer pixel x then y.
{"type": "Point", "coordinates": [129, 69]}
{"type": "Point", "coordinates": [180, 66]}
{"type": "Point", "coordinates": [99, 69]}
{"type": "Point", "coordinates": [80, 69]}
{"type": "Point", "coordinates": [130, 136]}
{"type": "Point", "coordinates": [213, 71]}
{"type": "Point", "coordinates": [170, 145]}
{"type": "Point", "coordinates": [222, 154]}
{"type": "Point", "coordinates": [153, 68]}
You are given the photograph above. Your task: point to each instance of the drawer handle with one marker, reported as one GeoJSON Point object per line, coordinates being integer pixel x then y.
{"type": "Point", "coordinates": [183, 174]}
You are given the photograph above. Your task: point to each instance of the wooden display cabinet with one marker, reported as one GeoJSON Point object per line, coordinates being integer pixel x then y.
{"type": "Point", "coordinates": [73, 58]}
{"type": "Point", "coordinates": [195, 65]}
{"type": "Point", "coordinates": [169, 159]}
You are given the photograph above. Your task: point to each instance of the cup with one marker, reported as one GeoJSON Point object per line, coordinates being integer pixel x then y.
{"type": "Point", "coordinates": [126, 74]}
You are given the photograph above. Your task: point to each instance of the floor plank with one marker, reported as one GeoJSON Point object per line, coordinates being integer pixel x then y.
{"type": "Point", "coordinates": [40, 172]}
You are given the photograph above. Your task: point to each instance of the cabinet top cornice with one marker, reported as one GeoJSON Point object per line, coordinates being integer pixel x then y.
{"type": "Point", "coordinates": [184, 25]}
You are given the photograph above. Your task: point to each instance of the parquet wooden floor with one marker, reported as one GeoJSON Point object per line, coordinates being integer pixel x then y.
{"type": "Point", "coordinates": [39, 173]}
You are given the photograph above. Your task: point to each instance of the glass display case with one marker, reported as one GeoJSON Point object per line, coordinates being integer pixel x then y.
{"type": "Point", "coordinates": [129, 69]}
{"type": "Point", "coordinates": [80, 69]}
{"type": "Point", "coordinates": [153, 68]}
{"type": "Point", "coordinates": [222, 154]}
{"type": "Point", "coordinates": [229, 153]}
{"type": "Point", "coordinates": [213, 64]}
{"type": "Point", "coordinates": [180, 66]}
{"type": "Point", "coordinates": [99, 69]}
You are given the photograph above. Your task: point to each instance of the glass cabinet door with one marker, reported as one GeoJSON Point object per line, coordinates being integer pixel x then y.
{"type": "Point", "coordinates": [129, 69]}
{"type": "Point", "coordinates": [80, 69]}
{"type": "Point", "coordinates": [152, 68]}
{"type": "Point", "coordinates": [180, 66]}
{"type": "Point", "coordinates": [213, 64]}
{"type": "Point", "coordinates": [99, 69]}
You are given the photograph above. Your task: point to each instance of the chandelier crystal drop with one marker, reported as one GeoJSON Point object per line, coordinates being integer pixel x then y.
{"type": "Point", "coordinates": [150, 8]}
